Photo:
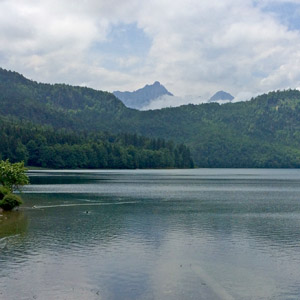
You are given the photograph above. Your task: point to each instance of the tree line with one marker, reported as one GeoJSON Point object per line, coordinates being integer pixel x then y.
{"type": "Point", "coordinates": [263, 132]}
{"type": "Point", "coordinates": [49, 148]}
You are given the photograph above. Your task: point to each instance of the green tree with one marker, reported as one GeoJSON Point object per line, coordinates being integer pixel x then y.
{"type": "Point", "coordinates": [13, 176]}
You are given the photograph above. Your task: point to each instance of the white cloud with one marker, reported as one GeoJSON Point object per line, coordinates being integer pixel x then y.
{"type": "Point", "coordinates": [244, 96]}
{"type": "Point", "coordinates": [198, 47]}
{"type": "Point", "coordinates": [173, 101]}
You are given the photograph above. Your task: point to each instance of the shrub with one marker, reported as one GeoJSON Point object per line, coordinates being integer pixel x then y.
{"type": "Point", "coordinates": [10, 201]}
{"type": "Point", "coordinates": [13, 176]}
{"type": "Point", "coordinates": [3, 192]}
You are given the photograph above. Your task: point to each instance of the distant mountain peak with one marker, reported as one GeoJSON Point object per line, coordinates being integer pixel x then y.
{"type": "Point", "coordinates": [221, 96]}
{"type": "Point", "coordinates": [142, 97]}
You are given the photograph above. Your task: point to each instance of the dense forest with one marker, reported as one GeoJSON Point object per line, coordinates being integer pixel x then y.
{"type": "Point", "coordinates": [45, 147]}
{"type": "Point", "coordinates": [262, 132]}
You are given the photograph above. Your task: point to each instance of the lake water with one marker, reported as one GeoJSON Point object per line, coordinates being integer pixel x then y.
{"type": "Point", "coordinates": [154, 234]}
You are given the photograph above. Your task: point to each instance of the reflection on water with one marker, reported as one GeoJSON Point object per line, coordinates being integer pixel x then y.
{"type": "Point", "coordinates": [12, 224]}
{"type": "Point", "coordinates": [163, 234]}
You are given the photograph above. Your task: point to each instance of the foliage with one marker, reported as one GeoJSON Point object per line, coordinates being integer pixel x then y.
{"type": "Point", "coordinates": [3, 192]}
{"type": "Point", "coordinates": [263, 132]}
{"type": "Point", "coordinates": [44, 147]}
{"type": "Point", "coordinates": [12, 176]}
{"type": "Point", "coordinates": [10, 201]}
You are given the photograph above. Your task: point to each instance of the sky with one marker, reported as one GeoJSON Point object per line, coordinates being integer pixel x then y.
{"type": "Point", "coordinates": [192, 47]}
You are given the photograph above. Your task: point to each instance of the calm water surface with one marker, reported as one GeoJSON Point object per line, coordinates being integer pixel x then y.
{"type": "Point", "coordinates": [155, 234]}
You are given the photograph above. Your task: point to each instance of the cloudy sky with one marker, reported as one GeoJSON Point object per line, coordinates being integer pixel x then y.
{"type": "Point", "coordinates": [193, 47]}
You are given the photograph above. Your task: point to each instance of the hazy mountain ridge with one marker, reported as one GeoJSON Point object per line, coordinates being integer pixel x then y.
{"type": "Point", "coordinates": [142, 97]}
{"type": "Point", "coordinates": [156, 96]}
{"type": "Point", "coordinates": [221, 96]}
{"type": "Point", "coordinates": [263, 132]}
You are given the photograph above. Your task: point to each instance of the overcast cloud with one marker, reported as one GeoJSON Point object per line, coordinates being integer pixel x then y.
{"type": "Point", "coordinates": [192, 47]}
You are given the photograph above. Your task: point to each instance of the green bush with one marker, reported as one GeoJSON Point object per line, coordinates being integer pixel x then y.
{"type": "Point", "coordinates": [3, 192]}
{"type": "Point", "coordinates": [10, 201]}
{"type": "Point", "coordinates": [13, 176]}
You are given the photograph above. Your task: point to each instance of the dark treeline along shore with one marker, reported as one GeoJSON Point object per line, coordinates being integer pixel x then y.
{"type": "Point", "coordinates": [45, 147]}
{"type": "Point", "coordinates": [63, 121]}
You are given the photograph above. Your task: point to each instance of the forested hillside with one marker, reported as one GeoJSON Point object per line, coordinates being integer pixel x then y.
{"type": "Point", "coordinates": [263, 132]}
{"type": "Point", "coordinates": [58, 105]}
{"type": "Point", "coordinates": [45, 147]}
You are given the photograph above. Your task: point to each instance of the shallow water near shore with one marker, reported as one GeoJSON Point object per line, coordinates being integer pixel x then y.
{"type": "Point", "coordinates": [154, 234]}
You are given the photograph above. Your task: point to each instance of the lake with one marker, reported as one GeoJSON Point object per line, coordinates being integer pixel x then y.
{"type": "Point", "coordinates": [154, 234]}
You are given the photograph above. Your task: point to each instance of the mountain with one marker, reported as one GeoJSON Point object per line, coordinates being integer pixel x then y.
{"type": "Point", "coordinates": [262, 132]}
{"type": "Point", "coordinates": [58, 105]}
{"type": "Point", "coordinates": [58, 126]}
{"type": "Point", "coordinates": [221, 97]}
{"type": "Point", "coordinates": [142, 97]}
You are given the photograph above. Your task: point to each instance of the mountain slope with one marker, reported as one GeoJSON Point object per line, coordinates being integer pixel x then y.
{"type": "Point", "coordinates": [221, 96]}
{"type": "Point", "coordinates": [48, 148]}
{"type": "Point", "coordinates": [58, 105]}
{"type": "Point", "coordinates": [142, 97]}
{"type": "Point", "coordinates": [263, 132]}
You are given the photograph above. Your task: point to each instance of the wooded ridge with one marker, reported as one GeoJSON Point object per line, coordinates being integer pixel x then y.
{"type": "Point", "coordinates": [262, 132]}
